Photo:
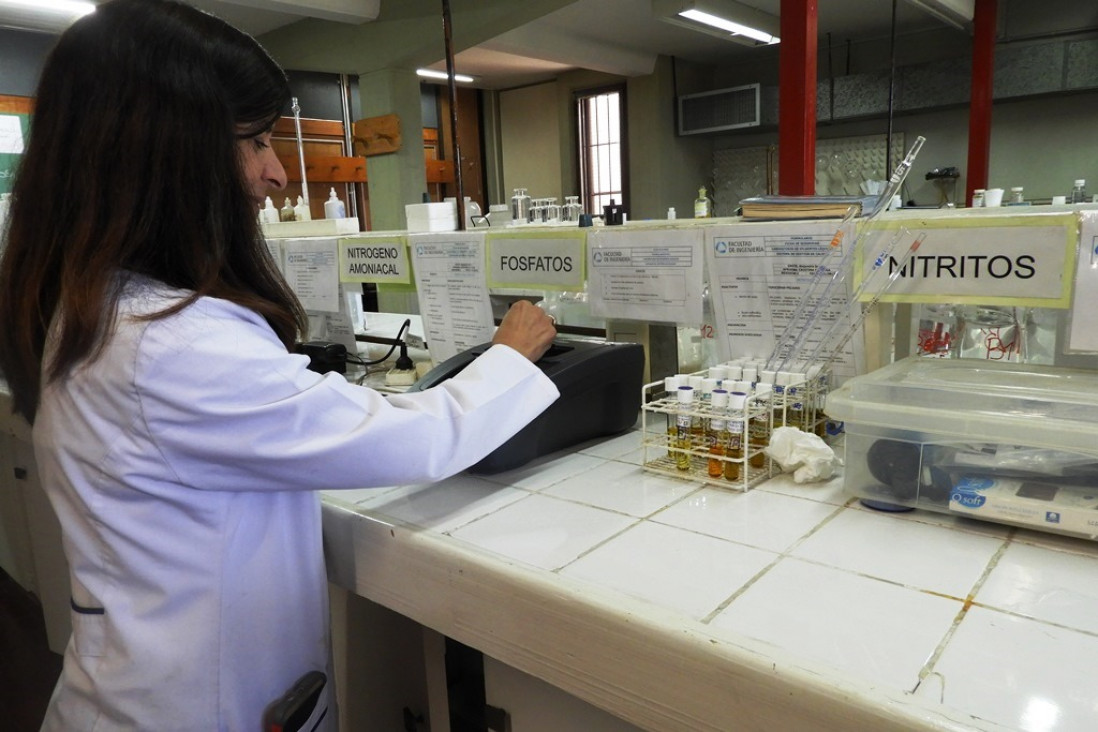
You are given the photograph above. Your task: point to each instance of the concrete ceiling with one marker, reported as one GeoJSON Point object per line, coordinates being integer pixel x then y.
{"type": "Point", "coordinates": [614, 36]}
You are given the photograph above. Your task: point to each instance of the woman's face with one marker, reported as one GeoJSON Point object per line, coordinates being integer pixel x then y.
{"type": "Point", "coordinates": [261, 167]}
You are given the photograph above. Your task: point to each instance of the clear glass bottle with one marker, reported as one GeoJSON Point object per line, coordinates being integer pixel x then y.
{"type": "Point", "coordinates": [683, 441]}
{"type": "Point", "coordinates": [978, 198]}
{"type": "Point", "coordinates": [571, 210]}
{"type": "Point", "coordinates": [702, 207]}
{"type": "Point", "coordinates": [1016, 196]}
{"type": "Point", "coordinates": [520, 206]}
{"type": "Point", "coordinates": [1079, 192]}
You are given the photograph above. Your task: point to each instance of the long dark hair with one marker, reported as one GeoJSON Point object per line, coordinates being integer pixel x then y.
{"type": "Point", "coordinates": [132, 166]}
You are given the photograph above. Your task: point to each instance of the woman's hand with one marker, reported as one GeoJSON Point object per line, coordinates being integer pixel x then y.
{"type": "Point", "coordinates": [528, 329]}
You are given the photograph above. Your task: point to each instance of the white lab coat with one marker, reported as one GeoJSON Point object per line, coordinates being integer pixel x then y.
{"type": "Point", "coordinates": [183, 465]}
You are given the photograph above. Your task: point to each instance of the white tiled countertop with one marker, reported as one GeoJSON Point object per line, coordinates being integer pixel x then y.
{"type": "Point", "coordinates": [678, 605]}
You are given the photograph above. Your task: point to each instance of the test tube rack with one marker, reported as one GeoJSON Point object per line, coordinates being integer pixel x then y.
{"type": "Point", "coordinates": [693, 458]}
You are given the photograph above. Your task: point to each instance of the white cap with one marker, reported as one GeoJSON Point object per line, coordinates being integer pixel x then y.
{"type": "Point", "coordinates": [1016, 189]}
{"type": "Point", "coordinates": [782, 378]}
{"type": "Point", "coordinates": [742, 386]}
{"type": "Point", "coordinates": [796, 378]}
{"type": "Point", "coordinates": [671, 383]}
{"type": "Point", "coordinates": [735, 372]}
{"type": "Point", "coordinates": [763, 390]}
{"type": "Point", "coordinates": [720, 399]}
{"type": "Point", "coordinates": [736, 401]}
{"type": "Point", "coordinates": [686, 394]}
{"type": "Point", "coordinates": [695, 381]}
{"type": "Point", "coordinates": [718, 372]}
{"type": "Point", "coordinates": [708, 385]}
{"type": "Point", "coordinates": [1080, 182]}
{"type": "Point", "coordinates": [750, 373]}
{"type": "Point", "coordinates": [767, 376]}
{"type": "Point", "coordinates": [268, 203]}
{"type": "Point", "coordinates": [814, 371]}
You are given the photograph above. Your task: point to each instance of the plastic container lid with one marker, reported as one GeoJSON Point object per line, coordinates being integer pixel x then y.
{"type": "Point", "coordinates": [977, 401]}
{"type": "Point", "coordinates": [763, 390]}
{"type": "Point", "coordinates": [695, 382]}
{"type": "Point", "coordinates": [736, 401]}
{"type": "Point", "coordinates": [686, 395]}
{"type": "Point", "coordinates": [708, 385]}
{"type": "Point", "coordinates": [671, 383]}
{"type": "Point", "coordinates": [1017, 189]}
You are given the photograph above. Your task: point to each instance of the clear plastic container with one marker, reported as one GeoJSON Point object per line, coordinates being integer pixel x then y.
{"type": "Point", "coordinates": [1003, 442]}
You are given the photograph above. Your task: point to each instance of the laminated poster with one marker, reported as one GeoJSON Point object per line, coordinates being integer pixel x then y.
{"type": "Point", "coordinates": [548, 259]}
{"type": "Point", "coordinates": [646, 274]}
{"type": "Point", "coordinates": [453, 291]}
{"type": "Point", "coordinates": [763, 275]}
{"type": "Point", "coordinates": [311, 271]}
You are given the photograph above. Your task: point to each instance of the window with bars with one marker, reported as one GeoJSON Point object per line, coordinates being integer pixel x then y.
{"type": "Point", "coordinates": [602, 152]}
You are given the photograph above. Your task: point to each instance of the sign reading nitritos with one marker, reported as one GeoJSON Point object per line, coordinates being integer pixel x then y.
{"type": "Point", "coordinates": [538, 260]}
{"type": "Point", "coordinates": [374, 259]}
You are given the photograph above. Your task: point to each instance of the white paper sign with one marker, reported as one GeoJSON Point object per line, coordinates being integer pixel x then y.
{"type": "Point", "coordinates": [646, 274]}
{"type": "Point", "coordinates": [536, 261]}
{"type": "Point", "coordinates": [453, 292]}
{"type": "Point", "coordinates": [1016, 260]}
{"type": "Point", "coordinates": [759, 274]}
{"type": "Point", "coordinates": [370, 259]}
{"type": "Point", "coordinates": [1083, 329]}
{"type": "Point", "coordinates": [311, 271]}
{"type": "Point", "coordinates": [11, 135]}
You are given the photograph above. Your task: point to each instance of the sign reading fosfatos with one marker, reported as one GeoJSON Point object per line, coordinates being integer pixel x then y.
{"type": "Point", "coordinates": [374, 259]}
{"type": "Point", "coordinates": [547, 262]}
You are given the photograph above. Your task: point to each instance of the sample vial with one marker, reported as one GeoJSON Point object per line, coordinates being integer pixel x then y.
{"type": "Point", "coordinates": [717, 435]}
{"type": "Point", "coordinates": [671, 386]}
{"type": "Point", "coordinates": [682, 427]}
{"type": "Point", "coordinates": [758, 428]}
{"type": "Point", "coordinates": [1016, 195]}
{"type": "Point", "coordinates": [733, 450]}
{"type": "Point", "coordinates": [977, 198]}
{"type": "Point", "coordinates": [520, 207]}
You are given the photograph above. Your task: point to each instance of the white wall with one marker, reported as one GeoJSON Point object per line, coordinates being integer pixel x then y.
{"type": "Point", "coordinates": [530, 138]}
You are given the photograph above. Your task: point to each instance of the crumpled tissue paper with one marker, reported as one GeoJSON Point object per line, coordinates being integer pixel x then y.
{"type": "Point", "coordinates": [804, 454]}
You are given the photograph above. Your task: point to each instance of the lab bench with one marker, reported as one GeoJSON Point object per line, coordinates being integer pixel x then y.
{"type": "Point", "coordinates": [625, 599]}
{"type": "Point", "coordinates": [674, 605]}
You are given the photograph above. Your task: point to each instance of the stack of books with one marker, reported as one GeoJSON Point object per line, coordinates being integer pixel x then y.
{"type": "Point", "coordinates": [805, 207]}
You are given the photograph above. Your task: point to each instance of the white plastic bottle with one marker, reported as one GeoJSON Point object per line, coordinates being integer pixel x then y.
{"type": "Point", "coordinates": [333, 207]}
{"type": "Point", "coordinates": [269, 215]}
{"type": "Point", "coordinates": [301, 211]}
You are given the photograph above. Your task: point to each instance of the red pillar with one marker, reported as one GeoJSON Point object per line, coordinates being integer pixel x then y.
{"type": "Point", "coordinates": [797, 99]}
{"type": "Point", "coordinates": [979, 115]}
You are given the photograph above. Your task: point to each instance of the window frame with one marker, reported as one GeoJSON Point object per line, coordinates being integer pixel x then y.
{"type": "Point", "coordinates": [584, 145]}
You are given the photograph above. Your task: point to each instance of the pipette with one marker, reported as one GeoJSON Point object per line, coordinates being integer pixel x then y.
{"type": "Point", "coordinates": [894, 185]}
{"type": "Point", "coordinates": [898, 177]}
{"type": "Point", "coordinates": [896, 273]}
{"type": "Point", "coordinates": [863, 287]}
{"type": "Point", "coordinates": [835, 247]}
{"type": "Point", "coordinates": [300, 151]}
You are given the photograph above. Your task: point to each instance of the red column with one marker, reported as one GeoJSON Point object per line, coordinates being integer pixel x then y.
{"type": "Point", "coordinates": [797, 99]}
{"type": "Point", "coordinates": [979, 115]}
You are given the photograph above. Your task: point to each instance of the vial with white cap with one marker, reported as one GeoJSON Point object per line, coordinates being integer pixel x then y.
{"type": "Point", "coordinates": [682, 427]}
{"type": "Point", "coordinates": [758, 428]}
{"type": "Point", "coordinates": [716, 437]}
{"type": "Point", "coordinates": [733, 450]}
{"type": "Point", "coordinates": [671, 386]}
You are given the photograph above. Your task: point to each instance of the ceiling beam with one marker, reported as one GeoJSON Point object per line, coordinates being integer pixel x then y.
{"type": "Point", "coordinates": [338, 11]}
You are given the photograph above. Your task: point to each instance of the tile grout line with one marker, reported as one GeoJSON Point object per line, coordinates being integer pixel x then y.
{"type": "Point", "coordinates": [780, 556]}
{"type": "Point", "coordinates": [928, 667]}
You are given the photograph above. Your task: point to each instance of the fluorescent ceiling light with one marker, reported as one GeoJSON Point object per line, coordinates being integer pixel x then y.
{"type": "Point", "coordinates": [431, 74]}
{"type": "Point", "coordinates": [728, 20]}
{"type": "Point", "coordinates": [728, 25]}
{"type": "Point", "coordinates": [72, 8]}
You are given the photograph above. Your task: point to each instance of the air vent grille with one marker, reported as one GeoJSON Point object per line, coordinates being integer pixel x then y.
{"type": "Point", "coordinates": [715, 111]}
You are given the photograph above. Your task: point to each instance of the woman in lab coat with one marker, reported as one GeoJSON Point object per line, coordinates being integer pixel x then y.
{"type": "Point", "coordinates": [148, 337]}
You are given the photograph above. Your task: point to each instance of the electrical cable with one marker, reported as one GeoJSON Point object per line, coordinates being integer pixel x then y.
{"type": "Point", "coordinates": [398, 341]}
